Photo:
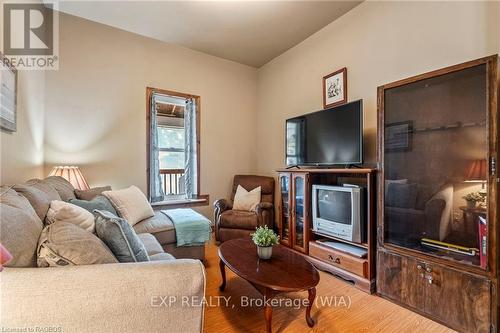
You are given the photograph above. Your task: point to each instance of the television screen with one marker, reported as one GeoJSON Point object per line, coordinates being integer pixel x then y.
{"type": "Point", "coordinates": [328, 137]}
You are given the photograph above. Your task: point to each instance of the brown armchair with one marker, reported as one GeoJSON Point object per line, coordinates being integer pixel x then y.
{"type": "Point", "coordinates": [231, 224]}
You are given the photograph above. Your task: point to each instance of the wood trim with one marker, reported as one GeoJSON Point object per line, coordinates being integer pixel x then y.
{"type": "Point", "coordinates": [344, 100]}
{"type": "Point", "coordinates": [318, 170]}
{"type": "Point", "coordinates": [439, 72]}
{"type": "Point", "coordinates": [149, 94]}
{"type": "Point", "coordinates": [202, 200]}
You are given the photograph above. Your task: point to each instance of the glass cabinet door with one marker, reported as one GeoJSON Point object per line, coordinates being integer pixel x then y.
{"type": "Point", "coordinates": [285, 217]}
{"type": "Point", "coordinates": [299, 212]}
{"type": "Point", "coordinates": [435, 164]}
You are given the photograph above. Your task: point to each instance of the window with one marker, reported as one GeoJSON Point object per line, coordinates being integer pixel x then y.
{"type": "Point", "coordinates": [171, 143]}
{"type": "Point", "coordinates": [173, 146]}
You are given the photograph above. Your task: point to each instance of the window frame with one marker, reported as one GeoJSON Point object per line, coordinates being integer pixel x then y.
{"type": "Point", "coordinates": [200, 200]}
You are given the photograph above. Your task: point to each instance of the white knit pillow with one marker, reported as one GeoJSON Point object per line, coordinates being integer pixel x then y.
{"type": "Point", "coordinates": [66, 212]}
{"type": "Point", "coordinates": [246, 200]}
{"type": "Point", "coordinates": [131, 204]}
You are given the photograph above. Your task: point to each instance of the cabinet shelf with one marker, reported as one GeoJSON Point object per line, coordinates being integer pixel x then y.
{"type": "Point", "coordinates": [363, 245]}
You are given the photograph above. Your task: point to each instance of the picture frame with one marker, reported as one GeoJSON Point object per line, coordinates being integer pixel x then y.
{"type": "Point", "coordinates": [335, 88]}
{"type": "Point", "coordinates": [8, 95]}
{"type": "Point", "coordinates": [398, 136]}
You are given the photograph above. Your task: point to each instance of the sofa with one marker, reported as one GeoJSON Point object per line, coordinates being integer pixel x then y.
{"type": "Point", "coordinates": [120, 297]}
{"type": "Point", "coordinates": [429, 216]}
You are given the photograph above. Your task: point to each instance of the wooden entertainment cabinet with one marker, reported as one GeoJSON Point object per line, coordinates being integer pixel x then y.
{"type": "Point", "coordinates": [437, 135]}
{"type": "Point", "coordinates": [295, 222]}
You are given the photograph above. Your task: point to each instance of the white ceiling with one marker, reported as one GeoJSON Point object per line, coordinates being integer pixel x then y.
{"type": "Point", "coordinates": [248, 32]}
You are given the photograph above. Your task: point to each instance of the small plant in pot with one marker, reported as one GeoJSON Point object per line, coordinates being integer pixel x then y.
{"type": "Point", "coordinates": [473, 198]}
{"type": "Point", "coordinates": [264, 238]}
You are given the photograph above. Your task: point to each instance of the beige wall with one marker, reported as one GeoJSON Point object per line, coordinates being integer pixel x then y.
{"type": "Point", "coordinates": [96, 106]}
{"type": "Point", "coordinates": [21, 155]}
{"type": "Point", "coordinates": [378, 42]}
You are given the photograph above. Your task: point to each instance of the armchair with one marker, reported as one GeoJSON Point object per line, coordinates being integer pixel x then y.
{"type": "Point", "coordinates": [231, 223]}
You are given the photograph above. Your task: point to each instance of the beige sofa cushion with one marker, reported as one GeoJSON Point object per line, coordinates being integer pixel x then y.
{"type": "Point", "coordinates": [246, 200]}
{"type": "Point", "coordinates": [151, 244]}
{"type": "Point", "coordinates": [64, 244]}
{"type": "Point", "coordinates": [61, 211]}
{"type": "Point", "coordinates": [160, 226]}
{"type": "Point", "coordinates": [39, 194]}
{"type": "Point", "coordinates": [92, 193]}
{"type": "Point", "coordinates": [162, 256]}
{"type": "Point", "coordinates": [20, 228]}
{"type": "Point", "coordinates": [130, 203]}
{"type": "Point", "coordinates": [63, 187]}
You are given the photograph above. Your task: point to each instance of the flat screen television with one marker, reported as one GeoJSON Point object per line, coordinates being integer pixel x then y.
{"type": "Point", "coordinates": [328, 137]}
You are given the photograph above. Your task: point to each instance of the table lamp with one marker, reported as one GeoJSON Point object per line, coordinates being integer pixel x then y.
{"type": "Point", "coordinates": [71, 174]}
{"type": "Point", "coordinates": [476, 173]}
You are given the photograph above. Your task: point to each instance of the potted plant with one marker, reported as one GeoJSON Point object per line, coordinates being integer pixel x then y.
{"type": "Point", "coordinates": [264, 238]}
{"type": "Point", "coordinates": [473, 198]}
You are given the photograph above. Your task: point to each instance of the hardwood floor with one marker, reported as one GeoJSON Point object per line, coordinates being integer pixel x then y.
{"type": "Point", "coordinates": [351, 311]}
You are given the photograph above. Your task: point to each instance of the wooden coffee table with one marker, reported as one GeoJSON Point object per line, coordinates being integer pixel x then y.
{"type": "Point", "coordinates": [286, 271]}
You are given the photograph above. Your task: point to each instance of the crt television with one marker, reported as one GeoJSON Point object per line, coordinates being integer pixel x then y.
{"type": "Point", "coordinates": [328, 137]}
{"type": "Point", "coordinates": [338, 211]}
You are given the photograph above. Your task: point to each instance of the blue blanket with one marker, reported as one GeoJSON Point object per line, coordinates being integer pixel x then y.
{"type": "Point", "coordinates": [191, 228]}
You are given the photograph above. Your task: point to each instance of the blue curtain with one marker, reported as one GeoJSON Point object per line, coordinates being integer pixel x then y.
{"type": "Point", "coordinates": [155, 190]}
{"type": "Point", "coordinates": [190, 170]}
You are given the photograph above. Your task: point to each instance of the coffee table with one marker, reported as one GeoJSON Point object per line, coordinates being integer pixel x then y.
{"type": "Point", "coordinates": [286, 271]}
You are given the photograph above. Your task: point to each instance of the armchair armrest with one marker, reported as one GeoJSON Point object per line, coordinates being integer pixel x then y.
{"type": "Point", "coordinates": [220, 206]}
{"type": "Point", "coordinates": [223, 205]}
{"type": "Point", "coordinates": [130, 297]}
{"type": "Point", "coordinates": [265, 214]}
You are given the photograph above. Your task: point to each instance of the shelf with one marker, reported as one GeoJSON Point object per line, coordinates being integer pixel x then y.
{"type": "Point", "coordinates": [363, 245]}
{"type": "Point", "coordinates": [327, 170]}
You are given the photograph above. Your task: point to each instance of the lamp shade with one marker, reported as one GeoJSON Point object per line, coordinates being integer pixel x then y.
{"type": "Point", "coordinates": [476, 172]}
{"type": "Point", "coordinates": [71, 174]}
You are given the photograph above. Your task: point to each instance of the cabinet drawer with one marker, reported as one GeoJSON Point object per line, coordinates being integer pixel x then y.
{"type": "Point", "coordinates": [339, 259]}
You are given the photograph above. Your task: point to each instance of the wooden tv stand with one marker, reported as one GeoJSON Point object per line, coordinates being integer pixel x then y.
{"type": "Point", "coordinates": [295, 222]}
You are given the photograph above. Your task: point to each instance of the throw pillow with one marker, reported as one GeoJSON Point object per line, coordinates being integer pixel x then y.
{"type": "Point", "coordinates": [100, 202]}
{"type": "Point", "coordinates": [38, 194]}
{"type": "Point", "coordinates": [61, 211]}
{"type": "Point", "coordinates": [120, 237]}
{"type": "Point", "coordinates": [63, 187]}
{"type": "Point", "coordinates": [20, 228]}
{"type": "Point", "coordinates": [64, 244]}
{"type": "Point", "coordinates": [394, 181]}
{"type": "Point", "coordinates": [92, 193]}
{"type": "Point", "coordinates": [131, 204]}
{"type": "Point", "coordinates": [246, 200]}
{"type": "Point", "coordinates": [401, 195]}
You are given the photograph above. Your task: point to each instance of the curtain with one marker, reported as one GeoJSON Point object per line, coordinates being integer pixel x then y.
{"type": "Point", "coordinates": [190, 170]}
{"type": "Point", "coordinates": [155, 190]}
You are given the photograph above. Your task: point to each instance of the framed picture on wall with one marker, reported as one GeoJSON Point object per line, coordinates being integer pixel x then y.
{"type": "Point", "coordinates": [335, 88]}
{"type": "Point", "coordinates": [398, 136]}
{"type": "Point", "coordinates": [8, 95]}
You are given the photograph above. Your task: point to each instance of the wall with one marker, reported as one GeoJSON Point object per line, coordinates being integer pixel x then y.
{"type": "Point", "coordinates": [378, 42]}
{"type": "Point", "coordinates": [96, 106]}
{"type": "Point", "coordinates": [21, 155]}
{"type": "Point", "coordinates": [22, 152]}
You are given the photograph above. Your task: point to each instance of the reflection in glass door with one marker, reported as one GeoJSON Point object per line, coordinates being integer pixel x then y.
{"type": "Point", "coordinates": [299, 212]}
{"type": "Point", "coordinates": [285, 208]}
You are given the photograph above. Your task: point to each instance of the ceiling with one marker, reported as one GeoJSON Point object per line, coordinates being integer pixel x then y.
{"type": "Point", "coordinates": [248, 32]}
